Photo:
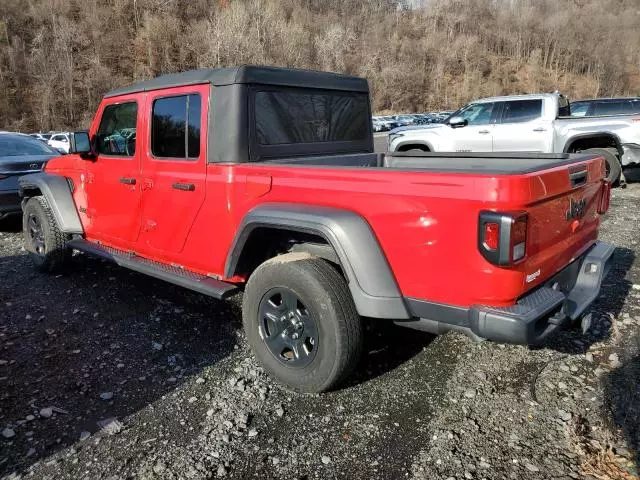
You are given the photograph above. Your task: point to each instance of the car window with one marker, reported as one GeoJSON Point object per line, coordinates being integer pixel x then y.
{"type": "Point", "coordinates": [635, 106]}
{"type": "Point", "coordinates": [117, 131]}
{"type": "Point", "coordinates": [476, 113]}
{"type": "Point", "coordinates": [16, 145]}
{"type": "Point", "coordinates": [579, 109]}
{"type": "Point", "coordinates": [611, 108]}
{"type": "Point", "coordinates": [175, 128]}
{"type": "Point", "coordinates": [519, 111]}
{"type": "Point", "coordinates": [287, 116]}
{"type": "Point", "coordinates": [56, 138]}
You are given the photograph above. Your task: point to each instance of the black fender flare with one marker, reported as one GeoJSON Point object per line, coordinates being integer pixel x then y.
{"type": "Point", "coordinates": [371, 281]}
{"type": "Point", "coordinates": [57, 191]}
{"type": "Point", "coordinates": [582, 136]}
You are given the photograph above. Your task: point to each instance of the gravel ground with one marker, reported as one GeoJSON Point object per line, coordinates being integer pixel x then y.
{"type": "Point", "coordinates": [108, 374]}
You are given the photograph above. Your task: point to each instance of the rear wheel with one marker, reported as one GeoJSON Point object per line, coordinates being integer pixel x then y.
{"type": "Point", "coordinates": [613, 167]}
{"type": "Point", "coordinates": [43, 240]}
{"type": "Point", "coordinates": [301, 322]}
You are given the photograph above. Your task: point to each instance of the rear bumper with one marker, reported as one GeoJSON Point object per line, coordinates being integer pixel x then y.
{"type": "Point", "coordinates": [9, 202]}
{"type": "Point", "coordinates": [537, 315]}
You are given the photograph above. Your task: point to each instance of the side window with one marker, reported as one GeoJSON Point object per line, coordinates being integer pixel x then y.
{"type": "Point", "coordinates": [579, 109]}
{"type": "Point", "coordinates": [610, 108]}
{"type": "Point", "coordinates": [477, 113]}
{"type": "Point", "coordinates": [175, 127]}
{"type": "Point", "coordinates": [117, 131]}
{"type": "Point", "coordinates": [520, 111]}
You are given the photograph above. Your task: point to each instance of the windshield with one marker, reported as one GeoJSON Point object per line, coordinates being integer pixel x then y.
{"type": "Point", "coordinates": [17, 145]}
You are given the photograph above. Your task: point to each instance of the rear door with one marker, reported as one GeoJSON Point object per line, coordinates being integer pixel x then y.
{"type": "Point", "coordinates": [173, 167]}
{"type": "Point", "coordinates": [521, 128]}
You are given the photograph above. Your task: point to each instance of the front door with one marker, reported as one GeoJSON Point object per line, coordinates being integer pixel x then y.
{"type": "Point", "coordinates": [111, 179]}
{"type": "Point", "coordinates": [174, 168]}
{"type": "Point", "coordinates": [477, 135]}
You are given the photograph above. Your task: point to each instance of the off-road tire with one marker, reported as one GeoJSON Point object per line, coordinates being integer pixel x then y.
{"type": "Point", "coordinates": [53, 256]}
{"type": "Point", "coordinates": [614, 169]}
{"type": "Point", "coordinates": [326, 296]}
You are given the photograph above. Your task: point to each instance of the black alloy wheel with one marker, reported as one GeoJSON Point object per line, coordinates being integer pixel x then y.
{"type": "Point", "coordinates": [288, 328]}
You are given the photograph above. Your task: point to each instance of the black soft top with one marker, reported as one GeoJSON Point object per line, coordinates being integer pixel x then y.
{"type": "Point", "coordinates": [287, 77]}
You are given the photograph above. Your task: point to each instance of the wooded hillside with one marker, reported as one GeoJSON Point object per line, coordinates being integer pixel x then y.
{"type": "Point", "coordinates": [57, 57]}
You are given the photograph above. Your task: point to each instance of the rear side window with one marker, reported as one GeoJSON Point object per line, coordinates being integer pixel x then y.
{"type": "Point", "coordinates": [519, 111]}
{"type": "Point", "coordinates": [175, 127]}
{"type": "Point", "coordinates": [285, 117]}
{"type": "Point", "coordinates": [117, 131]}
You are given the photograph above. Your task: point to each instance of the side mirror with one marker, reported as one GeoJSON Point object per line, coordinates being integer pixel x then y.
{"type": "Point", "coordinates": [458, 122]}
{"type": "Point", "coordinates": [80, 143]}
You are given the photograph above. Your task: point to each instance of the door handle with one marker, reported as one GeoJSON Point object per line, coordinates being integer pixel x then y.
{"type": "Point", "coordinates": [540, 129]}
{"type": "Point", "coordinates": [187, 187]}
{"type": "Point", "coordinates": [483, 132]}
{"type": "Point", "coordinates": [128, 180]}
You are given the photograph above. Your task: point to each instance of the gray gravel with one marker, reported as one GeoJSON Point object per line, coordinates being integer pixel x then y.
{"type": "Point", "coordinates": [187, 399]}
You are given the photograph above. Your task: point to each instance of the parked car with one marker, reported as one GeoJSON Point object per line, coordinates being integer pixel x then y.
{"type": "Point", "coordinates": [388, 122]}
{"type": "Point", "coordinates": [255, 192]}
{"type": "Point", "coordinates": [19, 154]}
{"type": "Point", "coordinates": [378, 125]}
{"type": "Point", "coordinates": [45, 137]}
{"type": "Point", "coordinates": [60, 141]}
{"type": "Point", "coordinates": [426, 118]}
{"type": "Point", "coordinates": [404, 120]}
{"type": "Point", "coordinates": [528, 123]}
{"type": "Point", "coordinates": [605, 106]}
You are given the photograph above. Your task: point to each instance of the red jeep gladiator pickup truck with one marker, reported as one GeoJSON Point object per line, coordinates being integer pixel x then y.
{"type": "Point", "coordinates": [264, 179]}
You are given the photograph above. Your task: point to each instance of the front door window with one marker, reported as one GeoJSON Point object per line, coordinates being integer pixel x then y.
{"type": "Point", "coordinates": [117, 132]}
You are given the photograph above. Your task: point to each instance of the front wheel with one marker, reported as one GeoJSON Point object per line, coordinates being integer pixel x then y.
{"type": "Point", "coordinates": [43, 240]}
{"type": "Point", "coordinates": [301, 322]}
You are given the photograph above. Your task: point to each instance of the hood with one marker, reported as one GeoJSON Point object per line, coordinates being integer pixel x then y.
{"type": "Point", "coordinates": [429, 126]}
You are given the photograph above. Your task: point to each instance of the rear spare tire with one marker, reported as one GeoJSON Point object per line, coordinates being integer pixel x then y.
{"type": "Point", "coordinates": [43, 240]}
{"type": "Point", "coordinates": [301, 322]}
{"type": "Point", "coordinates": [613, 167]}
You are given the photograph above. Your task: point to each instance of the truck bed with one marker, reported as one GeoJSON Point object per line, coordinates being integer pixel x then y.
{"type": "Point", "coordinates": [510, 163]}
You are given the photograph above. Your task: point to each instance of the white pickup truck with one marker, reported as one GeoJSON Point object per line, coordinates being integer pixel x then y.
{"type": "Point", "coordinates": [527, 123]}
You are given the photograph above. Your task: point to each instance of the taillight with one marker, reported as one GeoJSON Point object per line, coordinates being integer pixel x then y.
{"type": "Point", "coordinates": [518, 238]}
{"type": "Point", "coordinates": [502, 237]}
{"type": "Point", "coordinates": [603, 206]}
{"type": "Point", "coordinates": [491, 236]}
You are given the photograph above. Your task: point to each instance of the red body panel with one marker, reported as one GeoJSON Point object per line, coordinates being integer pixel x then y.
{"type": "Point", "coordinates": [426, 223]}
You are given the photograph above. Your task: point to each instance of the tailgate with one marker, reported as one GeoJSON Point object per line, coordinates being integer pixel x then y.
{"type": "Point", "coordinates": [563, 217]}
